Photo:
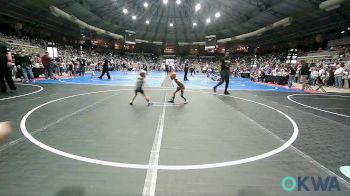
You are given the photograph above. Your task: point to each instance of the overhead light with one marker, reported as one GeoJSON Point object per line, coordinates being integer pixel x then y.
{"type": "Point", "coordinates": [197, 7]}
{"type": "Point", "coordinates": [348, 28]}
{"type": "Point", "coordinates": [178, 2]}
{"type": "Point", "coordinates": [330, 5]}
{"type": "Point", "coordinates": [258, 47]}
{"type": "Point", "coordinates": [134, 17]}
{"type": "Point", "coordinates": [147, 21]}
{"type": "Point", "coordinates": [217, 15]}
{"type": "Point", "coordinates": [165, 1]}
{"type": "Point", "coordinates": [328, 9]}
{"type": "Point", "coordinates": [208, 20]}
{"type": "Point", "coordinates": [125, 11]}
{"type": "Point", "coordinates": [194, 24]}
{"type": "Point", "coordinates": [171, 24]}
{"type": "Point", "coordinates": [145, 4]}
{"type": "Point", "coordinates": [342, 32]}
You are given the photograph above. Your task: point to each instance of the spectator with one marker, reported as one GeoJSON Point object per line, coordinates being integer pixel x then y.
{"type": "Point", "coordinates": [46, 61]}
{"type": "Point", "coordinates": [339, 76]}
{"type": "Point", "coordinates": [345, 76]}
{"type": "Point", "coordinates": [27, 68]}
{"type": "Point", "coordinates": [349, 79]}
{"type": "Point", "coordinates": [314, 76]}
{"type": "Point", "coordinates": [323, 75]}
{"type": "Point", "coordinates": [331, 78]}
{"type": "Point", "coordinates": [304, 74]}
{"type": "Point", "coordinates": [291, 76]}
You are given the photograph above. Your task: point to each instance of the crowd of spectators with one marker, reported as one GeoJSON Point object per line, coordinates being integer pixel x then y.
{"type": "Point", "coordinates": [71, 61]}
{"type": "Point", "coordinates": [334, 73]}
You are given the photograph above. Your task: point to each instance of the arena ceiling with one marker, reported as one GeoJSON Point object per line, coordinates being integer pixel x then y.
{"type": "Point", "coordinates": [174, 23]}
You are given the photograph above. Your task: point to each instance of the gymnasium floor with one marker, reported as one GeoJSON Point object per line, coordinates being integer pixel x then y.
{"type": "Point", "coordinates": [79, 136]}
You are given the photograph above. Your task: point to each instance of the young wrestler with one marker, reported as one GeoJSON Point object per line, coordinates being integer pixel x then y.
{"type": "Point", "coordinates": [139, 88]}
{"type": "Point", "coordinates": [180, 87]}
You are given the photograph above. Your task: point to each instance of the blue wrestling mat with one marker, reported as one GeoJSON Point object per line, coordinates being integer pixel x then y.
{"type": "Point", "coordinates": [201, 81]}
{"type": "Point", "coordinates": [155, 79]}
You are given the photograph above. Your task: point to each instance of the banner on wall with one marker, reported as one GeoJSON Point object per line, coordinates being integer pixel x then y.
{"type": "Point", "coordinates": [130, 37]}
{"type": "Point", "coordinates": [210, 42]}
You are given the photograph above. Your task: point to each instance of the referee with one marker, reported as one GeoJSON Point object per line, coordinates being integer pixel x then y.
{"type": "Point", "coordinates": [224, 73]}
{"type": "Point", "coordinates": [105, 70]}
{"type": "Point", "coordinates": [186, 71]}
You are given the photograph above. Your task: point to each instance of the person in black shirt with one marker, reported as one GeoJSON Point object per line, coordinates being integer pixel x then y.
{"type": "Point", "coordinates": [192, 69]}
{"type": "Point", "coordinates": [304, 74]}
{"type": "Point", "coordinates": [26, 65]}
{"type": "Point", "coordinates": [186, 71]}
{"type": "Point", "coordinates": [82, 65]}
{"type": "Point", "coordinates": [105, 70]}
{"type": "Point", "coordinates": [225, 73]}
{"type": "Point", "coordinates": [5, 70]}
{"type": "Point", "coordinates": [331, 78]}
{"type": "Point", "coordinates": [167, 69]}
{"type": "Point", "coordinates": [144, 67]}
{"type": "Point", "coordinates": [70, 68]}
{"type": "Point", "coordinates": [291, 76]}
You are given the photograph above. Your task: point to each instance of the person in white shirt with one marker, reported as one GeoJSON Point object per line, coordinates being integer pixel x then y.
{"type": "Point", "coordinates": [323, 75]}
{"type": "Point", "coordinates": [274, 72]}
{"type": "Point", "coordinates": [321, 72]}
{"type": "Point", "coordinates": [339, 76]}
{"type": "Point", "coordinates": [345, 76]}
{"type": "Point", "coordinates": [348, 78]}
{"type": "Point", "coordinates": [314, 76]}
